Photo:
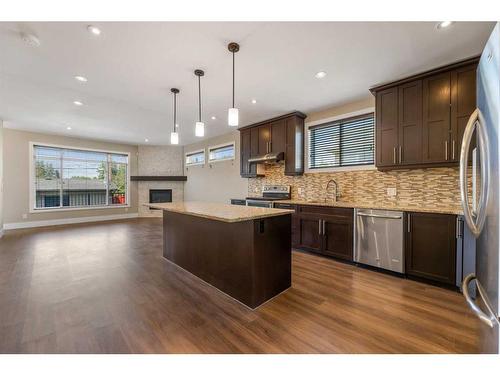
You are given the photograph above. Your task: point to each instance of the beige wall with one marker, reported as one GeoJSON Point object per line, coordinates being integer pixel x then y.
{"type": "Point", "coordinates": [16, 176]}
{"type": "Point", "coordinates": [216, 182]}
{"type": "Point", "coordinates": [354, 106]}
{"type": "Point", "coordinates": [1, 177]}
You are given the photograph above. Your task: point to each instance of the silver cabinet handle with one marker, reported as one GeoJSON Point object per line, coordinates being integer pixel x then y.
{"type": "Point", "coordinates": [453, 150]}
{"type": "Point", "coordinates": [475, 222]}
{"type": "Point", "coordinates": [324, 228]}
{"type": "Point", "coordinates": [319, 227]}
{"type": "Point", "coordinates": [490, 319]}
{"type": "Point", "coordinates": [394, 156]}
{"type": "Point", "coordinates": [409, 223]}
{"type": "Point", "coordinates": [445, 150]}
{"type": "Point", "coordinates": [270, 146]}
{"type": "Point", "coordinates": [379, 216]}
{"type": "Point", "coordinates": [400, 154]}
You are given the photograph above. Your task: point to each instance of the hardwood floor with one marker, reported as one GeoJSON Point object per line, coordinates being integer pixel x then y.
{"type": "Point", "coordinates": [105, 288]}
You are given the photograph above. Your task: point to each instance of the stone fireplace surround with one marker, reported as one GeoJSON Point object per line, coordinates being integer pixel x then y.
{"type": "Point", "coordinates": [159, 161]}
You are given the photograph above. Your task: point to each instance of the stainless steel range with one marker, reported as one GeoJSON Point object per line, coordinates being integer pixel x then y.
{"type": "Point", "coordinates": [270, 194]}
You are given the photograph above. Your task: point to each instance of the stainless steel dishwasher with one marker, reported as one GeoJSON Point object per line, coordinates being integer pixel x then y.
{"type": "Point", "coordinates": [378, 239]}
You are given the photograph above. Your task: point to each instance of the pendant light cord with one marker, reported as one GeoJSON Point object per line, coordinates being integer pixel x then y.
{"type": "Point", "coordinates": [233, 79]}
{"type": "Point", "coordinates": [199, 98]}
{"type": "Point", "coordinates": [175, 110]}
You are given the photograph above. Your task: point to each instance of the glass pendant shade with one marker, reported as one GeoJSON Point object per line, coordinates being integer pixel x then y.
{"type": "Point", "coordinates": [174, 138]}
{"type": "Point", "coordinates": [199, 129]}
{"type": "Point", "coordinates": [232, 117]}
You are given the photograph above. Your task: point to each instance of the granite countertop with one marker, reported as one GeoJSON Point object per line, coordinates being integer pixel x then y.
{"type": "Point", "coordinates": [453, 210]}
{"type": "Point", "coordinates": [220, 211]}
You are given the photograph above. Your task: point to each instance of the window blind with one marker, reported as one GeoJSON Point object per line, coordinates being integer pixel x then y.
{"type": "Point", "coordinates": [346, 142]}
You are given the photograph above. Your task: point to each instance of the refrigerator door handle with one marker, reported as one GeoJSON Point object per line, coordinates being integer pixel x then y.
{"type": "Point", "coordinates": [474, 221]}
{"type": "Point", "coordinates": [490, 319]}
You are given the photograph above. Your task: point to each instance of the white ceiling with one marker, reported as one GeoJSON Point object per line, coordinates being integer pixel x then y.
{"type": "Point", "coordinates": [132, 66]}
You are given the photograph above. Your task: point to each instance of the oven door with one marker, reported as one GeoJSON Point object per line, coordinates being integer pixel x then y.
{"type": "Point", "coordinates": [259, 203]}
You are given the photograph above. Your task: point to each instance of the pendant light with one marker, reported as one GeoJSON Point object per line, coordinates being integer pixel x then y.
{"type": "Point", "coordinates": [199, 129]}
{"type": "Point", "coordinates": [232, 113]}
{"type": "Point", "coordinates": [174, 136]}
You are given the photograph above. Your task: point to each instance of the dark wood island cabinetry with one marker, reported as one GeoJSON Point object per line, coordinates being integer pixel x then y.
{"type": "Point", "coordinates": [244, 252]}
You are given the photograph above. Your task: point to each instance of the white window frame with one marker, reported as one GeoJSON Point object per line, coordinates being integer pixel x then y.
{"type": "Point", "coordinates": [367, 167]}
{"type": "Point", "coordinates": [219, 146]}
{"type": "Point", "coordinates": [32, 201]}
{"type": "Point", "coordinates": [195, 152]}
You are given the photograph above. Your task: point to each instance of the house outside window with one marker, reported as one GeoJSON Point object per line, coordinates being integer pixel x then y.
{"type": "Point", "coordinates": [65, 178]}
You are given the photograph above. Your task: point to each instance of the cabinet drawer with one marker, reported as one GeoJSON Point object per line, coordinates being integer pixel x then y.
{"type": "Point", "coordinates": [285, 206]}
{"type": "Point", "coordinates": [328, 211]}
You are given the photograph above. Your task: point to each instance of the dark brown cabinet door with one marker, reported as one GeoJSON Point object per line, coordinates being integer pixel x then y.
{"type": "Point", "coordinates": [436, 118]}
{"type": "Point", "coordinates": [309, 233]}
{"type": "Point", "coordinates": [463, 103]}
{"type": "Point", "coordinates": [294, 146]}
{"type": "Point", "coordinates": [278, 136]}
{"type": "Point", "coordinates": [338, 237]}
{"type": "Point", "coordinates": [387, 127]}
{"type": "Point", "coordinates": [431, 246]}
{"type": "Point", "coordinates": [245, 150]}
{"type": "Point", "coordinates": [410, 123]}
{"type": "Point", "coordinates": [264, 132]}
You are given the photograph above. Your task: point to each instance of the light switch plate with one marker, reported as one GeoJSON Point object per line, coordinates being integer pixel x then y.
{"type": "Point", "coordinates": [391, 192]}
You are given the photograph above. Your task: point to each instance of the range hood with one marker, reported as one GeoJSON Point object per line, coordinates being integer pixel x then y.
{"type": "Point", "coordinates": [268, 158]}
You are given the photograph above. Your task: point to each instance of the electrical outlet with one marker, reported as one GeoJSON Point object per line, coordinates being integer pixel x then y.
{"type": "Point", "coordinates": [391, 192]}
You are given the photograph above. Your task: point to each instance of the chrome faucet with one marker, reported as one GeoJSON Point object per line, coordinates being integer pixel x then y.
{"type": "Point", "coordinates": [337, 195]}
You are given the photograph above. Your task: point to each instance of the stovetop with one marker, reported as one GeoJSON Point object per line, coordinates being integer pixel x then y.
{"type": "Point", "coordinates": [267, 198]}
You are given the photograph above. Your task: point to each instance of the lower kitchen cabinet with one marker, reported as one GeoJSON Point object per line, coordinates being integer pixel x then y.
{"type": "Point", "coordinates": [431, 247]}
{"type": "Point", "coordinates": [338, 237]}
{"type": "Point", "coordinates": [325, 230]}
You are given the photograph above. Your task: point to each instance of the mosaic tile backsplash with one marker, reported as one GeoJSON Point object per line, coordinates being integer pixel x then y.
{"type": "Point", "coordinates": [429, 187]}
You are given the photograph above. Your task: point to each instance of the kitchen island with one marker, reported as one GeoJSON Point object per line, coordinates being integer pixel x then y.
{"type": "Point", "coordinates": [243, 251]}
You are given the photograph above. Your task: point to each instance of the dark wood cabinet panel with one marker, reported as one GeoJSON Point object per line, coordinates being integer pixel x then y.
{"type": "Point", "coordinates": [463, 103]}
{"type": "Point", "coordinates": [309, 233]}
{"type": "Point", "coordinates": [245, 149]}
{"type": "Point", "coordinates": [294, 146]}
{"type": "Point", "coordinates": [278, 136]}
{"type": "Point", "coordinates": [387, 127]}
{"type": "Point", "coordinates": [410, 123]}
{"type": "Point", "coordinates": [264, 138]}
{"type": "Point", "coordinates": [338, 237]}
{"type": "Point", "coordinates": [281, 134]}
{"type": "Point", "coordinates": [420, 120]}
{"type": "Point", "coordinates": [436, 118]}
{"type": "Point", "coordinates": [325, 230]}
{"type": "Point", "coordinates": [431, 247]}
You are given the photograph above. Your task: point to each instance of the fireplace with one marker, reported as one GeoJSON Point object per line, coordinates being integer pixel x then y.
{"type": "Point", "coordinates": [160, 195]}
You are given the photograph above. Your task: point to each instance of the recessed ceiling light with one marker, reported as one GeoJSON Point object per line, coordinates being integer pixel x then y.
{"type": "Point", "coordinates": [81, 78]}
{"type": "Point", "coordinates": [443, 24]}
{"type": "Point", "coordinates": [68, 127]}
{"type": "Point", "coordinates": [214, 118]}
{"type": "Point", "coordinates": [31, 39]}
{"type": "Point", "coordinates": [94, 30]}
{"type": "Point", "coordinates": [78, 103]}
{"type": "Point", "coordinates": [320, 74]}
{"type": "Point", "coordinates": [146, 140]}
{"type": "Point", "coordinates": [254, 101]}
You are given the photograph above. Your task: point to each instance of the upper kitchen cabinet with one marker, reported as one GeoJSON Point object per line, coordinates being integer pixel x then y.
{"type": "Point", "coordinates": [280, 134]}
{"type": "Point", "coordinates": [421, 119]}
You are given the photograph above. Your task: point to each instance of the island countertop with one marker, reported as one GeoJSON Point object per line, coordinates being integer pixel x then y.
{"type": "Point", "coordinates": [220, 211]}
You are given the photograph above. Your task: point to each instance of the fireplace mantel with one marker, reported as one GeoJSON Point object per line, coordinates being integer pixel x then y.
{"type": "Point", "coordinates": [158, 178]}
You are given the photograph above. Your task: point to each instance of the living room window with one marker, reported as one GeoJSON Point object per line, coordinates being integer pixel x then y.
{"type": "Point", "coordinates": [69, 178]}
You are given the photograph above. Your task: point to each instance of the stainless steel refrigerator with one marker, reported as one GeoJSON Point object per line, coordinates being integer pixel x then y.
{"type": "Point", "coordinates": [481, 202]}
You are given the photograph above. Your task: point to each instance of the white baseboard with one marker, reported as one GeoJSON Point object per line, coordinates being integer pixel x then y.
{"type": "Point", "coordinates": [75, 220]}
